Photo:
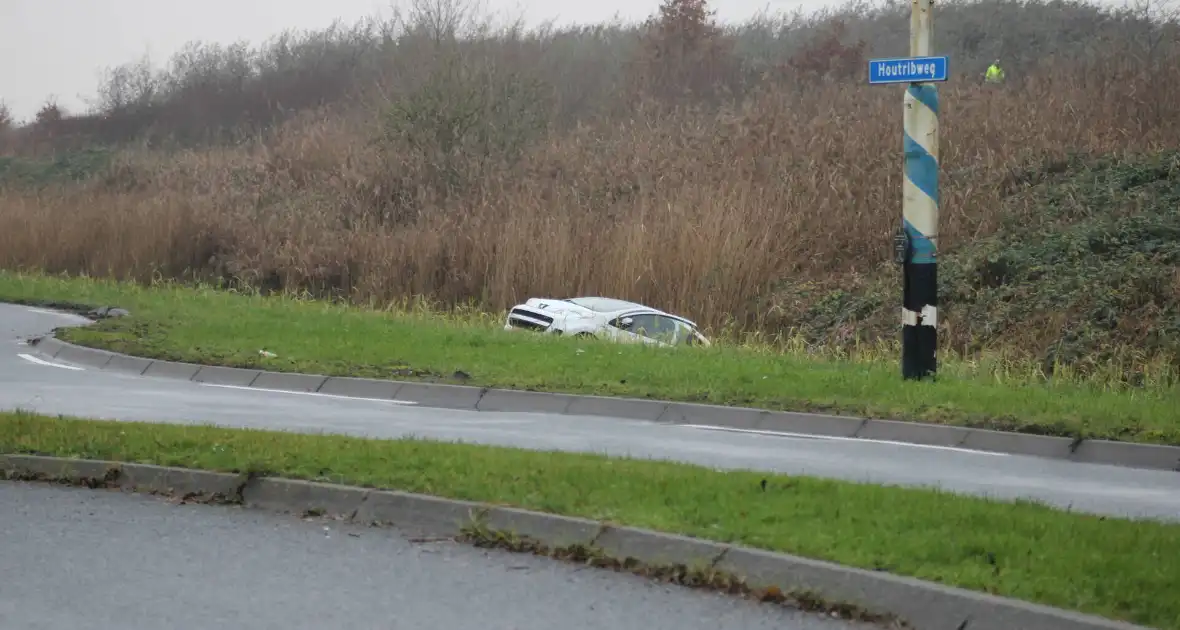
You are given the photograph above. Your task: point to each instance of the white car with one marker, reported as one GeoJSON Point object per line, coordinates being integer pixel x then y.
{"type": "Point", "coordinates": [604, 318]}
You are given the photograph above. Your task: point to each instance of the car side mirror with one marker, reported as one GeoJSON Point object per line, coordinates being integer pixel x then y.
{"type": "Point", "coordinates": [626, 322]}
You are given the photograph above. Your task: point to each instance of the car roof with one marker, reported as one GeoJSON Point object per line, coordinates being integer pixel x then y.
{"type": "Point", "coordinates": [612, 305]}
{"type": "Point", "coordinates": [606, 305]}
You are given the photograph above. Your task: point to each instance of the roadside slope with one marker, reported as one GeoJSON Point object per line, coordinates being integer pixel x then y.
{"type": "Point", "coordinates": [204, 326]}
{"type": "Point", "coordinates": [1082, 274]}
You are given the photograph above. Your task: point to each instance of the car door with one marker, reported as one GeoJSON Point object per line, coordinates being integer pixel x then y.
{"type": "Point", "coordinates": [647, 328]}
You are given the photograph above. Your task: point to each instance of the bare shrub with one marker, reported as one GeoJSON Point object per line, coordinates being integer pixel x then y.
{"type": "Point", "coordinates": [684, 54]}
{"type": "Point", "coordinates": [49, 114]}
{"type": "Point", "coordinates": [827, 56]}
{"type": "Point", "coordinates": [6, 120]}
{"type": "Point", "coordinates": [468, 117]}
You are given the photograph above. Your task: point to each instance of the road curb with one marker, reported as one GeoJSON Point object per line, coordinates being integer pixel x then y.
{"type": "Point", "coordinates": [1124, 454]}
{"type": "Point", "coordinates": [924, 605]}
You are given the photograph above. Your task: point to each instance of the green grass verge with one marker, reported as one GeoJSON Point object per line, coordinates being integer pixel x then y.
{"type": "Point", "coordinates": [65, 167]}
{"type": "Point", "coordinates": [1111, 567]}
{"type": "Point", "coordinates": [217, 327]}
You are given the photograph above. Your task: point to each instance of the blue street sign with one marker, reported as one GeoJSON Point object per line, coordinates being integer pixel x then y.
{"type": "Point", "coordinates": [908, 70]}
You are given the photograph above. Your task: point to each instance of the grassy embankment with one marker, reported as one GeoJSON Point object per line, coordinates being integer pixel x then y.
{"type": "Point", "coordinates": [723, 173]}
{"type": "Point", "coordinates": [1111, 567]}
{"type": "Point", "coordinates": [225, 328]}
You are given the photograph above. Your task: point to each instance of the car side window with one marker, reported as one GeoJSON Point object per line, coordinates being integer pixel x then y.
{"type": "Point", "coordinates": [618, 323]}
{"type": "Point", "coordinates": [685, 334]}
{"type": "Point", "coordinates": [688, 335]}
{"type": "Point", "coordinates": [643, 325]}
{"type": "Point", "coordinates": [655, 327]}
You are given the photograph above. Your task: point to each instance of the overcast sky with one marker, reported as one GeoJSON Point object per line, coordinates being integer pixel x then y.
{"type": "Point", "coordinates": [59, 47]}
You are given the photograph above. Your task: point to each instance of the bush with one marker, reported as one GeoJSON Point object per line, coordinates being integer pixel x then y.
{"type": "Point", "coordinates": [1091, 278]}
{"type": "Point", "coordinates": [466, 120]}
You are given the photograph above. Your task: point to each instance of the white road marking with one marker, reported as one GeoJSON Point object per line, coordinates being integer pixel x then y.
{"type": "Point", "coordinates": [77, 319]}
{"type": "Point", "coordinates": [476, 424]}
{"type": "Point", "coordinates": [808, 436]}
{"type": "Point", "coordinates": [32, 359]}
{"type": "Point", "coordinates": [317, 394]}
{"type": "Point", "coordinates": [45, 311]}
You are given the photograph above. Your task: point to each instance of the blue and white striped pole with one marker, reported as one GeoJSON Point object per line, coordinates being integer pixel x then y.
{"type": "Point", "coordinates": [919, 321]}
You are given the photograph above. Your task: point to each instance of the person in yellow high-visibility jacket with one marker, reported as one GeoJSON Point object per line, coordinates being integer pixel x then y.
{"type": "Point", "coordinates": [994, 74]}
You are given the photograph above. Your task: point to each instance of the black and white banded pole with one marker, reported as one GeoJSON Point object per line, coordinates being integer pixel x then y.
{"type": "Point", "coordinates": [919, 322]}
{"type": "Point", "coordinates": [915, 243]}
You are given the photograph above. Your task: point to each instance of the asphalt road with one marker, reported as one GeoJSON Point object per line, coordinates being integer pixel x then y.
{"type": "Point", "coordinates": [54, 388]}
{"type": "Point", "coordinates": [77, 559]}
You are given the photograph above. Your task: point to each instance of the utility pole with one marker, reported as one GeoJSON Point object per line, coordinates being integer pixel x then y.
{"type": "Point", "coordinates": [915, 243]}
{"type": "Point", "coordinates": [919, 322]}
